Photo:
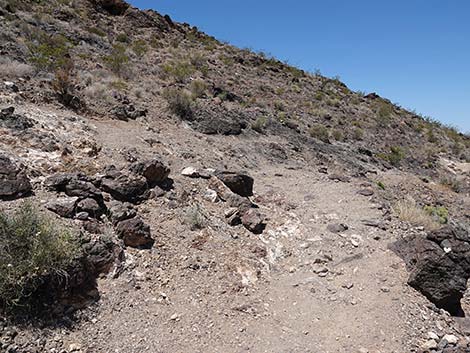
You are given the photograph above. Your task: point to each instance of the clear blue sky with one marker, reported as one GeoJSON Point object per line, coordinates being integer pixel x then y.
{"type": "Point", "coordinates": [414, 52]}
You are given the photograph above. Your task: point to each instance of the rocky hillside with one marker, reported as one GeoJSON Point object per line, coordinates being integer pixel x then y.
{"type": "Point", "coordinates": [215, 199]}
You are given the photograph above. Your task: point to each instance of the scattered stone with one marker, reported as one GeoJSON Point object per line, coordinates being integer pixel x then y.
{"type": "Point", "coordinates": [433, 336]}
{"type": "Point", "coordinates": [339, 177]}
{"type": "Point", "coordinates": [154, 171]}
{"type": "Point", "coordinates": [123, 187]}
{"type": "Point", "coordinates": [10, 120]}
{"type": "Point", "coordinates": [337, 227]}
{"type": "Point", "coordinates": [82, 216]}
{"type": "Point", "coordinates": [429, 345]}
{"type": "Point", "coordinates": [366, 192]}
{"type": "Point", "coordinates": [135, 233]}
{"type": "Point", "coordinates": [90, 206]}
{"type": "Point", "coordinates": [240, 184]}
{"type": "Point", "coordinates": [119, 211]}
{"type": "Point", "coordinates": [211, 196]}
{"type": "Point", "coordinates": [13, 181]}
{"type": "Point", "coordinates": [374, 223]}
{"type": "Point", "coordinates": [83, 189]}
{"type": "Point", "coordinates": [451, 339]}
{"type": "Point", "coordinates": [253, 220]}
{"type": "Point", "coordinates": [64, 206]}
{"type": "Point", "coordinates": [190, 172]}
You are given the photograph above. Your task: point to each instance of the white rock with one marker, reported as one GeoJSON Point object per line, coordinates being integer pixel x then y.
{"type": "Point", "coordinates": [190, 172]}
{"type": "Point", "coordinates": [451, 339]}
{"type": "Point", "coordinates": [211, 195]}
{"type": "Point", "coordinates": [431, 344]}
{"type": "Point", "coordinates": [433, 336]}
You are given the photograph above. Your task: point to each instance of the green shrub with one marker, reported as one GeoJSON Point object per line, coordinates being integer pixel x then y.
{"type": "Point", "coordinates": [140, 48]}
{"type": "Point", "coordinates": [395, 156]}
{"type": "Point", "coordinates": [439, 213]}
{"type": "Point", "coordinates": [384, 114]}
{"type": "Point", "coordinates": [122, 38]}
{"type": "Point", "coordinates": [49, 53]}
{"type": "Point", "coordinates": [118, 59]}
{"type": "Point", "coordinates": [180, 71]}
{"type": "Point", "coordinates": [337, 135]}
{"type": "Point", "coordinates": [259, 124]}
{"type": "Point", "coordinates": [320, 132]}
{"type": "Point", "coordinates": [195, 218]}
{"type": "Point", "coordinates": [179, 102]}
{"type": "Point", "coordinates": [358, 133]}
{"type": "Point", "coordinates": [32, 247]}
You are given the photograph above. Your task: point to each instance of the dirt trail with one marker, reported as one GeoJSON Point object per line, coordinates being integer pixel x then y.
{"type": "Point", "coordinates": [314, 291]}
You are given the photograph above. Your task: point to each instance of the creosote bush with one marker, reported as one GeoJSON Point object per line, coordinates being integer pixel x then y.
{"type": "Point", "coordinates": [180, 103]}
{"type": "Point", "coordinates": [408, 211]}
{"type": "Point", "coordinates": [118, 59]}
{"type": "Point", "coordinates": [320, 132]}
{"type": "Point", "coordinates": [32, 249]}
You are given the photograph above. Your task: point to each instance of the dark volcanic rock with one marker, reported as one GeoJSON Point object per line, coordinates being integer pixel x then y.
{"type": "Point", "coordinates": [64, 206]}
{"type": "Point", "coordinates": [216, 120]}
{"type": "Point", "coordinates": [90, 206]}
{"type": "Point", "coordinates": [135, 233]}
{"type": "Point", "coordinates": [113, 7]}
{"type": "Point", "coordinates": [83, 189]}
{"type": "Point", "coordinates": [123, 187]}
{"type": "Point", "coordinates": [240, 184]}
{"type": "Point", "coordinates": [128, 112]}
{"type": "Point", "coordinates": [439, 265]}
{"type": "Point", "coordinates": [14, 121]}
{"type": "Point", "coordinates": [59, 181]}
{"type": "Point", "coordinates": [337, 227]}
{"type": "Point", "coordinates": [13, 181]}
{"type": "Point", "coordinates": [119, 211]}
{"type": "Point", "coordinates": [153, 170]}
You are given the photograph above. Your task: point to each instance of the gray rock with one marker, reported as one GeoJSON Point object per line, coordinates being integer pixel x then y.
{"type": "Point", "coordinates": [119, 211]}
{"type": "Point", "coordinates": [135, 233]}
{"type": "Point", "coordinates": [337, 227]}
{"type": "Point", "coordinates": [123, 187]}
{"type": "Point", "coordinates": [64, 206]}
{"type": "Point", "coordinates": [91, 206]}
{"type": "Point", "coordinates": [13, 181]}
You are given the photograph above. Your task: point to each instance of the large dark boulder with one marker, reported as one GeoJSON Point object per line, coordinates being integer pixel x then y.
{"type": "Point", "coordinates": [10, 120]}
{"type": "Point", "coordinates": [113, 7]}
{"type": "Point", "coordinates": [125, 187]}
{"type": "Point", "coordinates": [240, 184]}
{"type": "Point", "coordinates": [254, 221]}
{"type": "Point", "coordinates": [13, 181]}
{"type": "Point", "coordinates": [135, 233]}
{"type": "Point", "coordinates": [439, 265]}
{"type": "Point", "coordinates": [153, 170]}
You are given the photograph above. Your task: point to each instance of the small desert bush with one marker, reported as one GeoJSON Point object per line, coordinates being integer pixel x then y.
{"type": "Point", "coordinates": [320, 132]}
{"type": "Point", "coordinates": [139, 47]}
{"type": "Point", "coordinates": [32, 248]}
{"type": "Point", "coordinates": [259, 124]}
{"type": "Point", "coordinates": [408, 211]}
{"type": "Point", "coordinates": [95, 30]}
{"type": "Point", "coordinates": [198, 88]}
{"type": "Point", "coordinates": [179, 102]}
{"type": "Point", "coordinates": [195, 218]}
{"type": "Point", "coordinates": [384, 114]}
{"type": "Point", "coordinates": [394, 157]}
{"type": "Point", "coordinates": [180, 71]}
{"type": "Point", "coordinates": [118, 60]}
{"type": "Point", "coordinates": [122, 38]}
{"type": "Point", "coordinates": [49, 52]}
{"type": "Point", "coordinates": [358, 133]}
{"type": "Point", "coordinates": [439, 213]}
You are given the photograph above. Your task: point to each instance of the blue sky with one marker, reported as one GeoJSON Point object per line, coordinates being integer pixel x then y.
{"type": "Point", "coordinates": [414, 52]}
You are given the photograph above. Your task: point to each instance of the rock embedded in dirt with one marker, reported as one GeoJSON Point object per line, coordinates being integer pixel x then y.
{"type": "Point", "coordinates": [124, 187]}
{"type": "Point", "coordinates": [119, 211]}
{"type": "Point", "coordinates": [135, 233]}
{"type": "Point", "coordinates": [190, 172]}
{"type": "Point", "coordinates": [127, 112]}
{"type": "Point", "coordinates": [91, 206]}
{"type": "Point", "coordinates": [339, 177]}
{"type": "Point", "coordinates": [13, 180]}
{"type": "Point", "coordinates": [241, 184]}
{"type": "Point", "coordinates": [438, 265]}
{"type": "Point", "coordinates": [154, 171]}
{"type": "Point", "coordinates": [337, 227]}
{"type": "Point", "coordinates": [254, 221]}
{"type": "Point", "coordinates": [83, 189]}
{"type": "Point", "coordinates": [366, 192]}
{"type": "Point", "coordinates": [63, 206]}
{"type": "Point", "coordinates": [10, 120]}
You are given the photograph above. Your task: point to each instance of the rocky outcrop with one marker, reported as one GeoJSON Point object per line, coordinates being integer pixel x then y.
{"type": "Point", "coordinates": [240, 184]}
{"type": "Point", "coordinates": [439, 265]}
{"type": "Point", "coordinates": [14, 183]}
{"type": "Point", "coordinates": [153, 170]}
{"type": "Point", "coordinates": [124, 187]}
{"type": "Point", "coordinates": [113, 7]}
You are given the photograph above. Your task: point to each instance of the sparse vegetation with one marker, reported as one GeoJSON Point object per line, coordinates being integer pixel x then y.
{"type": "Point", "coordinates": [180, 71]}
{"type": "Point", "coordinates": [195, 218]}
{"type": "Point", "coordinates": [438, 213]}
{"type": "Point", "coordinates": [394, 157]}
{"type": "Point", "coordinates": [408, 211]}
{"type": "Point", "coordinates": [139, 47]}
{"type": "Point", "coordinates": [259, 124]}
{"type": "Point", "coordinates": [118, 59]}
{"type": "Point", "coordinates": [180, 103]}
{"type": "Point", "coordinates": [320, 132]}
{"type": "Point", "coordinates": [32, 249]}
{"type": "Point", "coordinates": [49, 52]}
{"type": "Point", "coordinates": [198, 89]}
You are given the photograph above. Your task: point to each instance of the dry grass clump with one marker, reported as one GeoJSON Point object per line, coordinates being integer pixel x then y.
{"type": "Point", "coordinates": [408, 211]}
{"type": "Point", "coordinates": [13, 69]}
